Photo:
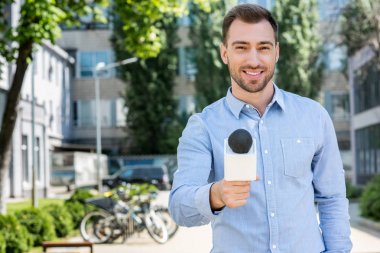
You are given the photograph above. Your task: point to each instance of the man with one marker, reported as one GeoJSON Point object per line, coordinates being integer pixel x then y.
{"type": "Point", "coordinates": [298, 160]}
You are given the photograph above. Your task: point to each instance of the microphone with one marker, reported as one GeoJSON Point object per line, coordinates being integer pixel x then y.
{"type": "Point", "coordinates": [240, 156]}
{"type": "Point", "coordinates": [240, 141]}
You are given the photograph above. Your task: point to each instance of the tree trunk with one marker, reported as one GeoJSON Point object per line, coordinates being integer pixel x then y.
{"type": "Point", "coordinates": [10, 116]}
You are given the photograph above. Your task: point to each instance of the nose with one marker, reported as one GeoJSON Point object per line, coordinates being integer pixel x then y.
{"type": "Point", "coordinates": [253, 58]}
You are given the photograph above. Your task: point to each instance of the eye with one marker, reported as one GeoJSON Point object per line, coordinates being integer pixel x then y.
{"type": "Point", "coordinates": [240, 48]}
{"type": "Point", "coordinates": [264, 48]}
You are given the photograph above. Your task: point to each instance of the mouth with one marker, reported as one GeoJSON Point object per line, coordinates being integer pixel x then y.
{"type": "Point", "coordinates": [253, 74]}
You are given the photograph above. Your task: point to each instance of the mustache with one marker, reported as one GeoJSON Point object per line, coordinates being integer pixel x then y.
{"type": "Point", "coordinates": [259, 67]}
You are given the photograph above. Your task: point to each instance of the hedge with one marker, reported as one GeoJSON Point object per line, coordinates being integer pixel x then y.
{"type": "Point", "coordinates": [38, 223]}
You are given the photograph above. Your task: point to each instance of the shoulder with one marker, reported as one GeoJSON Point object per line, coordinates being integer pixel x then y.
{"type": "Point", "coordinates": [303, 104]}
{"type": "Point", "coordinates": [212, 111]}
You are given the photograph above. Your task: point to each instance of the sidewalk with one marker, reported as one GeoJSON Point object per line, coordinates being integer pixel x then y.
{"type": "Point", "coordinates": [365, 234]}
{"type": "Point", "coordinates": [199, 239]}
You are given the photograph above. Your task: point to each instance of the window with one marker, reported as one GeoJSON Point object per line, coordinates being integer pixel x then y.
{"type": "Point", "coordinates": [25, 160]}
{"type": "Point", "coordinates": [366, 87]}
{"type": "Point", "coordinates": [86, 113]}
{"type": "Point", "coordinates": [38, 159]}
{"type": "Point", "coordinates": [338, 105]}
{"type": "Point", "coordinates": [367, 153]}
{"type": "Point", "coordinates": [186, 104]}
{"type": "Point", "coordinates": [88, 61]}
{"type": "Point", "coordinates": [2, 105]}
{"type": "Point", "coordinates": [334, 56]}
{"type": "Point", "coordinates": [120, 113]}
{"type": "Point", "coordinates": [112, 113]}
{"type": "Point", "coordinates": [187, 66]}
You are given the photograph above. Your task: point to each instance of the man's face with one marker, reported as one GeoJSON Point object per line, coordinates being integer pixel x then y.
{"type": "Point", "coordinates": [251, 54]}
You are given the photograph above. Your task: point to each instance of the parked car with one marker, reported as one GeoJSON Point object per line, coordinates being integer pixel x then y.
{"type": "Point", "coordinates": [157, 175]}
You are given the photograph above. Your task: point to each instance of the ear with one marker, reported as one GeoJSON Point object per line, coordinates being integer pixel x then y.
{"type": "Point", "coordinates": [277, 51]}
{"type": "Point", "coordinates": [223, 53]}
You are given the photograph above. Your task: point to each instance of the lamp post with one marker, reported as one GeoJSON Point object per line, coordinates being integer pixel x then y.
{"type": "Point", "coordinates": [102, 66]}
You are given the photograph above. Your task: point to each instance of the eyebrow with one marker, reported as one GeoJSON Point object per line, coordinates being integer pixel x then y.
{"type": "Point", "coordinates": [265, 42]}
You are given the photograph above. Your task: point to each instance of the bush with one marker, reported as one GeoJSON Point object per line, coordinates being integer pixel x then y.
{"type": "Point", "coordinates": [17, 238]}
{"type": "Point", "coordinates": [77, 211]}
{"type": "Point", "coordinates": [39, 224]}
{"type": "Point", "coordinates": [76, 205]}
{"type": "Point", "coordinates": [80, 195]}
{"type": "Point", "coordinates": [370, 200]}
{"type": "Point", "coordinates": [2, 243]}
{"type": "Point", "coordinates": [353, 192]}
{"type": "Point", "coordinates": [62, 219]}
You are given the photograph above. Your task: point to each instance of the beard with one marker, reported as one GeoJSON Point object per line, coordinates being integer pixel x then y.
{"type": "Point", "coordinates": [251, 86]}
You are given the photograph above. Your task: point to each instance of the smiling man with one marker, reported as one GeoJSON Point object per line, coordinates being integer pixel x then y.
{"type": "Point", "coordinates": [298, 160]}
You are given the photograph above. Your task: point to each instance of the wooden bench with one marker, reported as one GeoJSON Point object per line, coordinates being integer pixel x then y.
{"type": "Point", "coordinates": [46, 245]}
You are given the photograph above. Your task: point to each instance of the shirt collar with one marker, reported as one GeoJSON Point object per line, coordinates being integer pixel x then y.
{"type": "Point", "coordinates": [237, 105]}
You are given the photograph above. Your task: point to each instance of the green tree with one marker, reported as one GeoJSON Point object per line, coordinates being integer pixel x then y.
{"type": "Point", "coordinates": [149, 95]}
{"type": "Point", "coordinates": [39, 21]}
{"type": "Point", "coordinates": [360, 26]}
{"type": "Point", "coordinates": [153, 125]}
{"type": "Point", "coordinates": [299, 69]}
{"type": "Point", "coordinates": [212, 78]}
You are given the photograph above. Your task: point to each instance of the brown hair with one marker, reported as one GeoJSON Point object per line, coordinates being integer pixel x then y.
{"type": "Point", "coordinates": [249, 13]}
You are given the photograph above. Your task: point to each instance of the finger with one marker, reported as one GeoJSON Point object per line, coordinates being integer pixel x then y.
{"type": "Point", "coordinates": [240, 196]}
{"type": "Point", "coordinates": [236, 189]}
{"type": "Point", "coordinates": [242, 183]}
{"type": "Point", "coordinates": [236, 203]}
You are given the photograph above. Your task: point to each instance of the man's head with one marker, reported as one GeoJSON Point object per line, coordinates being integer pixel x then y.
{"type": "Point", "coordinates": [250, 47]}
{"type": "Point", "coordinates": [248, 13]}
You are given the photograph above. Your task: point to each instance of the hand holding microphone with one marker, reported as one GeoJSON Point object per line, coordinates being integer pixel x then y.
{"type": "Point", "coordinates": [239, 170]}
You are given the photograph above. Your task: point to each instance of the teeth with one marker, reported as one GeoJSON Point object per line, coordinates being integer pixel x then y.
{"type": "Point", "coordinates": [252, 73]}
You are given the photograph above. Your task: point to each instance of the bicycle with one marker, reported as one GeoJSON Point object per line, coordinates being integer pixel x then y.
{"type": "Point", "coordinates": [121, 219]}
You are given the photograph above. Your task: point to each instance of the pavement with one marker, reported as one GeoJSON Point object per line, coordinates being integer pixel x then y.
{"type": "Point", "coordinates": [365, 236]}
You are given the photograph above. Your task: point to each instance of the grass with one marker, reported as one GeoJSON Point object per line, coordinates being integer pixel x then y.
{"type": "Point", "coordinates": [12, 207]}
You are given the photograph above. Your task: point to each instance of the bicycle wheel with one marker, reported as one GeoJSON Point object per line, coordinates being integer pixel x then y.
{"type": "Point", "coordinates": [96, 227]}
{"type": "Point", "coordinates": [156, 227]}
{"type": "Point", "coordinates": [170, 224]}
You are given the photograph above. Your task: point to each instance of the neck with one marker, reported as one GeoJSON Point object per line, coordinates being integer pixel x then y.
{"type": "Point", "coordinates": [259, 100]}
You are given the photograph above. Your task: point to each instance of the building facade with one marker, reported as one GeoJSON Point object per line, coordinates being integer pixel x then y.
{"type": "Point", "coordinates": [90, 45]}
{"type": "Point", "coordinates": [365, 112]}
{"type": "Point", "coordinates": [52, 119]}
{"type": "Point", "coordinates": [50, 75]}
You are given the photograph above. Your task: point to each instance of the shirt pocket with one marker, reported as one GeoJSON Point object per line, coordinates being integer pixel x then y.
{"type": "Point", "coordinates": [298, 154]}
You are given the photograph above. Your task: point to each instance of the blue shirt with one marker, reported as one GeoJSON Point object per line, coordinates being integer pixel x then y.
{"type": "Point", "coordinates": [298, 163]}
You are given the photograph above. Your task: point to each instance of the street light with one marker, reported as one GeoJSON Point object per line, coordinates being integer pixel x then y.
{"type": "Point", "coordinates": [102, 66]}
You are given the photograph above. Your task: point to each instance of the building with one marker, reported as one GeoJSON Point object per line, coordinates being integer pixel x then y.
{"type": "Point", "coordinates": [113, 112]}
{"type": "Point", "coordinates": [364, 79]}
{"type": "Point", "coordinates": [51, 78]}
{"type": "Point", "coordinates": [52, 119]}
{"type": "Point", "coordinates": [335, 88]}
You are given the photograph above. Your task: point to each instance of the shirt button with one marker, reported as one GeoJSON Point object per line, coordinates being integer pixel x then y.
{"type": "Point", "coordinates": [274, 246]}
{"type": "Point", "coordinates": [269, 182]}
{"type": "Point", "coordinates": [261, 122]}
{"type": "Point", "coordinates": [247, 106]}
{"type": "Point", "coordinates": [266, 151]}
{"type": "Point", "coordinates": [272, 214]}
{"type": "Point", "coordinates": [298, 141]}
